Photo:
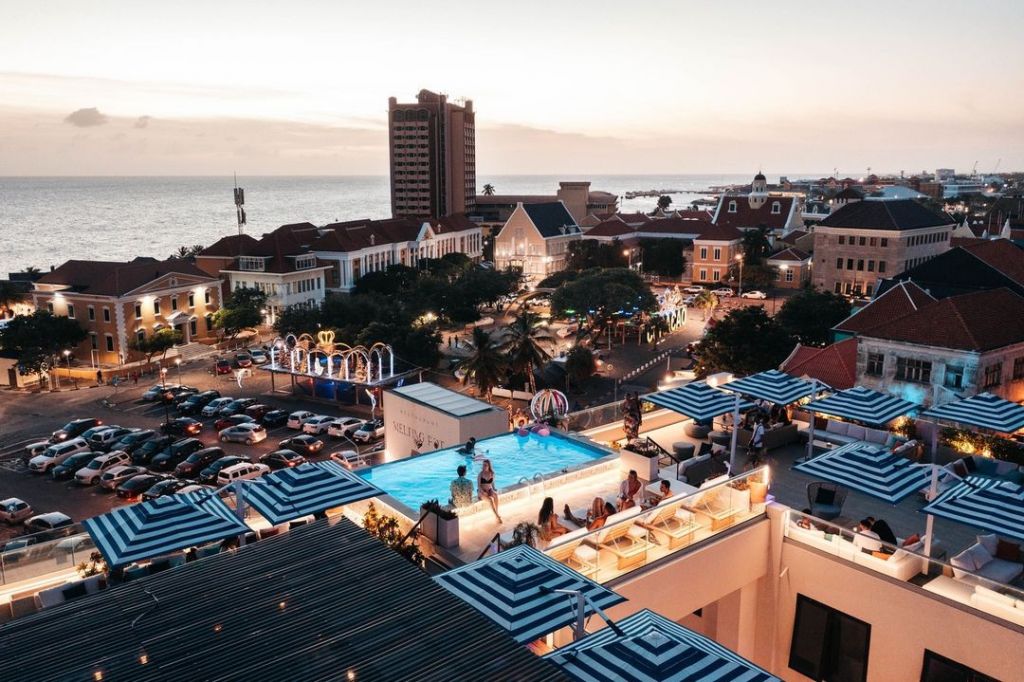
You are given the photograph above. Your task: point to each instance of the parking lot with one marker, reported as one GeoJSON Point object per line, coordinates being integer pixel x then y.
{"type": "Point", "coordinates": [28, 418]}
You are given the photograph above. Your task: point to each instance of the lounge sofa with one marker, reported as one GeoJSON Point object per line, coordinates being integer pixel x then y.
{"type": "Point", "coordinates": [976, 465]}
{"type": "Point", "coordinates": [901, 565]}
{"type": "Point", "coordinates": [841, 433]}
{"type": "Point", "coordinates": [978, 564]}
{"type": "Point", "coordinates": [774, 437]}
{"type": "Point", "coordinates": [696, 470]}
{"type": "Point", "coordinates": [1004, 606]}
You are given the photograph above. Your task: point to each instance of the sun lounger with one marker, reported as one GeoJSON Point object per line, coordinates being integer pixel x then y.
{"type": "Point", "coordinates": [624, 539]}
{"type": "Point", "coordinates": [672, 521]}
{"type": "Point", "coordinates": [570, 550]}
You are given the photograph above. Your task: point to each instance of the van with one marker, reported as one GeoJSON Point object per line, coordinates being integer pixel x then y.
{"type": "Point", "coordinates": [241, 472]}
{"type": "Point", "coordinates": [56, 454]}
{"type": "Point", "coordinates": [92, 471]}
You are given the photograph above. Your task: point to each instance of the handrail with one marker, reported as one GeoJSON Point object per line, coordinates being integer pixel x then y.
{"type": "Point", "coordinates": [415, 526]}
{"type": "Point", "coordinates": [496, 537]}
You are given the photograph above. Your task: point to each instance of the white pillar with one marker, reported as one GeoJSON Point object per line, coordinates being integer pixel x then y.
{"type": "Point", "coordinates": [735, 432]}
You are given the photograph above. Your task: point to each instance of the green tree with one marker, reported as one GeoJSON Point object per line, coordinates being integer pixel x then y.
{"type": "Point", "coordinates": [755, 276]}
{"type": "Point", "coordinates": [706, 301]}
{"type": "Point", "coordinates": [387, 529]}
{"type": "Point", "coordinates": [158, 342]}
{"type": "Point", "coordinates": [527, 343]}
{"type": "Point", "coordinates": [39, 338]}
{"type": "Point", "coordinates": [584, 254]}
{"type": "Point", "coordinates": [664, 201]}
{"type": "Point", "coordinates": [745, 342]}
{"type": "Point", "coordinates": [664, 256]}
{"type": "Point", "coordinates": [810, 315]}
{"type": "Point", "coordinates": [187, 252]}
{"type": "Point", "coordinates": [390, 281]}
{"type": "Point", "coordinates": [756, 246]}
{"type": "Point", "coordinates": [580, 364]}
{"type": "Point", "coordinates": [602, 295]}
{"type": "Point", "coordinates": [241, 311]}
{"type": "Point", "coordinates": [489, 190]}
{"type": "Point", "coordinates": [486, 364]}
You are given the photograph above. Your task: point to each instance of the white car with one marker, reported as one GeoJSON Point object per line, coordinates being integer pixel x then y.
{"type": "Point", "coordinates": [689, 300]}
{"type": "Point", "coordinates": [240, 472]}
{"type": "Point", "coordinates": [249, 433]}
{"type": "Point", "coordinates": [693, 290]}
{"type": "Point", "coordinates": [47, 521]}
{"type": "Point", "coordinates": [259, 356]}
{"type": "Point", "coordinates": [116, 475]}
{"type": "Point", "coordinates": [92, 471]}
{"type": "Point", "coordinates": [56, 454]}
{"type": "Point", "coordinates": [194, 488]}
{"type": "Point", "coordinates": [723, 292]}
{"type": "Point", "coordinates": [344, 427]}
{"type": "Point", "coordinates": [317, 425]}
{"type": "Point", "coordinates": [14, 510]}
{"type": "Point", "coordinates": [37, 448]}
{"type": "Point", "coordinates": [297, 419]}
{"type": "Point", "coordinates": [214, 406]}
{"type": "Point", "coordinates": [760, 295]}
{"type": "Point", "coordinates": [104, 439]}
{"type": "Point", "coordinates": [370, 431]}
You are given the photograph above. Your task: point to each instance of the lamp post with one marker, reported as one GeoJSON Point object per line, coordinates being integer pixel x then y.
{"type": "Point", "coordinates": [739, 259]}
{"type": "Point", "coordinates": [177, 363]}
{"type": "Point", "coordinates": [628, 253]}
{"type": "Point", "coordinates": [67, 361]}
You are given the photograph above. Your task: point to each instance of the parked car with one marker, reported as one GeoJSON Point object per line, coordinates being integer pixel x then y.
{"type": "Point", "coordinates": [297, 419]}
{"type": "Point", "coordinates": [282, 459]}
{"type": "Point", "coordinates": [233, 420]}
{"type": "Point", "coordinates": [249, 433]}
{"type": "Point", "coordinates": [133, 488]}
{"type": "Point", "coordinates": [723, 292]}
{"type": "Point", "coordinates": [209, 474]}
{"type": "Point", "coordinates": [182, 426]}
{"type": "Point", "coordinates": [104, 440]}
{"type": "Point", "coordinates": [259, 356]}
{"type": "Point", "coordinates": [344, 427]}
{"type": "Point", "coordinates": [759, 295]}
{"type": "Point", "coordinates": [370, 431]}
{"type": "Point", "coordinates": [46, 522]}
{"type": "Point", "coordinates": [175, 454]}
{"type": "Point", "coordinates": [213, 407]}
{"type": "Point", "coordinates": [257, 411]}
{"type": "Point", "coordinates": [304, 444]}
{"type": "Point", "coordinates": [74, 428]}
{"type": "Point", "coordinates": [693, 289]}
{"type": "Point", "coordinates": [241, 472]}
{"type": "Point", "coordinates": [33, 449]}
{"type": "Point", "coordinates": [89, 433]}
{"type": "Point", "coordinates": [197, 461]}
{"type": "Point", "coordinates": [133, 441]}
{"type": "Point", "coordinates": [56, 454]}
{"type": "Point", "coordinates": [243, 360]}
{"type": "Point", "coordinates": [145, 453]}
{"type": "Point", "coordinates": [155, 392]}
{"type": "Point", "coordinates": [194, 488]}
{"type": "Point", "coordinates": [168, 486]}
{"type": "Point", "coordinates": [115, 476]}
{"type": "Point", "coordinates": [222, 366]}
{"type": "Point", "coordinates": [92, 471]}
{"type": "Point", "coordinates": [14, 510]}
{"type": "Point", "coordinates": [274, 419]}
{"type": "Point", "coordinates": [197, 401]}
{"type": "Point", "coordinates": [317, 425]}
{"type": "Point", "coordinates": [66, 469]}
{"type": "Point", "coordinates": [178, 394]}
{"type": "Point", "coordinates": [236, 406]}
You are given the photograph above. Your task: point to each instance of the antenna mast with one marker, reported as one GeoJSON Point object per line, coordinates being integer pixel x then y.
{"type": "Point", "coordinates": [239, 205]}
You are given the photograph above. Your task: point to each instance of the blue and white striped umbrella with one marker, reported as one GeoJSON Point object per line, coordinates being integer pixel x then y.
{"type": "Point", "coordinates": [981, 502]}
{"type": "Point", "coordinates": [309, 488]}
{"type": "Point", "coordinates": [511, 588]}
{"type": "Point", "coordinates": [984, 410]}
{"type": "Point", "coordinates": [773, 386]}
{"type": "Point", "coordinates": [871, 469]}
{"type": "Point", "coordinates": [862, 405]}
{"type": "Point", "coordinates": [161, 526]}
{"type": "Point", "coordinates": [697, 401]}
{"type": "Point", "coordinates": [652, 648]}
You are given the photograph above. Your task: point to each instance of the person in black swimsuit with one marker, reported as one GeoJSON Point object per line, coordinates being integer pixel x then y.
{"type": "Point", "coordinates": [485, 487]}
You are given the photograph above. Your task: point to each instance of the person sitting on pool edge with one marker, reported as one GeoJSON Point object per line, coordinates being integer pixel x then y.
{"type": "Point", "coordinates": [462, 488]}
{"type": "Point", "coordinates": [629, 491]}
{"type": "Point", "coordinates": [596, 516]}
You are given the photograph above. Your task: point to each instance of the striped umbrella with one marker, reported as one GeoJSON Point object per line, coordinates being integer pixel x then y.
{"type": "Point", "coordinates": [652, 648]}
{"type": "Point", "coordinates": [512, 588]}
{"type": "Point", "coordinates": [981, 502]}
{"type": "Point", "coordinates": [773, 386]}
{"type": "Point", "coordinates": [871, 469]}
{"type": "Point", "coordinates": [697, 400]}
{"type": "Point", "coordinates": [984, 410]}
{"type": "Point", "coordinates": [161, 526]}
{"type": "Point", "coordinates": [309, 488]}
{"type": "Point", "coordinates": [863, 405]}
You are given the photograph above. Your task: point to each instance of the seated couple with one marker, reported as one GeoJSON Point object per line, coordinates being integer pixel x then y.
{"type": "Point", "coordinates": [871, 533]}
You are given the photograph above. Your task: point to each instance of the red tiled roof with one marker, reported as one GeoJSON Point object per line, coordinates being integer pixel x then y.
{"type": "Point", "coordinates": [355, 235]}
{"type": "Point", "coordinates": [229, 247]}
{"type": "Point", "coordinates": [634, 218]}
{"type": "Point", "coordinates": [747, 217]}
{"type": "Point", "coordinates": [964, 241]}
{"type": "Point", "coordinates": [896, 303]}
{"type": "Point", "coordinates": [790, 254]}
{"type": "Point", "coordinates": [612, 227]}
{"type": "Point", "coordinates": [791, 236]}
{"type": "Point", "coordinates": [112, 278]}
{"type": "Point", "coordinates": [979, 321]}
{"type": "Point", "coordinates": [457, 222]}
{"type": "Point", "coordinates": [1001, 254]}
{"type": "Point", "coordinates": [662, 226]}
{"type": "Point", "coordinates": [835, 365]}
{"type": "Point", "coordinates": [720, 233]}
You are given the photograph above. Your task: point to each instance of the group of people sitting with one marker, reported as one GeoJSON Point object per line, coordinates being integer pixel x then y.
{"type": "Point", "coordinates": [870, 535]}
{"type": "Point", "coordinates": [462, 488]}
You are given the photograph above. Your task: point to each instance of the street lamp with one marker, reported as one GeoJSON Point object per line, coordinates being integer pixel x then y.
{"type": "Point", "coordinates": [177, 363]}
{"type": "Point", "coordinates": [739, 259]}
{"type": "Point", "coordinates": [67, 361]}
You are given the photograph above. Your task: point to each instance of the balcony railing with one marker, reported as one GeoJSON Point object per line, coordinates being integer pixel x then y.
{"type": "Point", "coordinates": [34, 561]}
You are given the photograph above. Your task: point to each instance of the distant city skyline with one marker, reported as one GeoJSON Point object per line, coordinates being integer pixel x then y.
{"type": "Point", "coordinates": [576, 88]}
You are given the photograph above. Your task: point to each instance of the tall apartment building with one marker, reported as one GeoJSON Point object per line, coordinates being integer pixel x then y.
{"type": "Point", "coordinates": [433, 157]}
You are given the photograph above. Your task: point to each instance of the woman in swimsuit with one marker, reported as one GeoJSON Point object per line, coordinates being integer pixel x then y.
{"type": "Point", "coordinates": [547, 519]}
{"type": "Point", "coordinates": [485, 487]}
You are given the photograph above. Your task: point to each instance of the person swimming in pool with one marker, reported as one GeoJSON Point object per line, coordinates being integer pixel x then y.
{"type": "Point", "coordinates": [469, 449]}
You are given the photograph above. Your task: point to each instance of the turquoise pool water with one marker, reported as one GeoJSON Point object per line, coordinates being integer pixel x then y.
{"type": "Point", "coordinates": [417, 479]}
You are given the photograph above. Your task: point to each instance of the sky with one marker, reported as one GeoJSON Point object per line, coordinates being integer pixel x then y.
{"type": "Point", "coordinates": [645, 87]}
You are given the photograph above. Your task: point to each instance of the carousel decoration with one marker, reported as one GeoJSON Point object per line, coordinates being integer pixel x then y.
{"type": "Point", "coordinates": [325, 359]}
{"type": "Point", "coordinates": [549, 405]}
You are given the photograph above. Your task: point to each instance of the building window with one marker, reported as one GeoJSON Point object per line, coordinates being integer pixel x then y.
{"type": "Point", "coordinates": [251, 263]}
{"type": "Point", "coordinates": [1018, 369]}
{"type": "Point", "coordinates": [192, 327]}
{"type": "Point", "coordinates": [876, 363]}
{"type": "Point", "coordinates": [206, 296]}
{"type": "Point", "coordinates": [91, 313]}
{"type": "Point", "coordinates": [110, 343]}
{"type": "Point", "coordinates": [138, 311]}
{"type": "Point", "coordinates": [938, 668]}
{"type": "Point", "coordinates": [191, 300]}
{"type": "Point", "coordinates": [703, 253]}
{"type": "Point", "coordinates": [838, 288]}
{"type": "Point", "coordinates": [174, 302]}
{"type": "Point", "coordinates": [842, 239]}
{"type": "Point", "coordinates": [140, 334]}
{"type": "Point", "coordinates": [49, 307]}
{"type": "Point", "coordinates": [703, 275]}
{"type": "Point", "coordinates": [954, 377]}
{"type": "Point", "coordinates": [305, 262]}
{"type": "Point", "coordinates": [789, 275]}
{"type": "Point", "coordinates": [839, 263]}
{"type": "Point", "coordinates": [828, 644]}
{"type": "Point", "coordinates": [872, 242]}
{"type": "Point", "coordinates": [863, 241]}
{"type": "Point", "coordinates": [881, 266]}
{"type": "Point", "coordinates": [715, 275]}
{"type": "Point", "coordinates": [849, 264]}
{"type": "Point", "coordinates": [993, 375]}
{"type": "Point", "coordinates": [884, 241]}
{"type": "Point", "coordinates": [71, 311]}
{"type": "Point", "coordinates": [871, 266]}
{"type": "Point", "coordinates": [776, 208]}
{"type": "Point", "coordinates": [94, 341]}
{"type": "Point", "coordinates": [106, 314]}
{"type": "Point", "coordinates": [912, 369]}
{"type": "Point", "coordinates": [717, 253]}
{"type": "Point", "coordinates": [156, 306]}
{"type": "Point", "coordinates": [860, 265]}
{"type": "Point", "coordinates": [732, 207]}
{"type": "Point", "coordinates": [209, 323]}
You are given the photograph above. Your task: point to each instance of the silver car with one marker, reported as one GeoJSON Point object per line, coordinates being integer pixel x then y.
{"type": "Point", "coordinates": [13, 510]}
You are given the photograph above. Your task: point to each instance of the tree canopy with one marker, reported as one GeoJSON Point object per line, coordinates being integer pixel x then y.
{"type": "Point", "coordinates": [159, 342]}
{"type": "Point", "coordinates": [584, 254]}
{"type": "Point", "coordinates": [38, 338]}
{"type": "Point", "coordinates": [664, 256]}
{"type": "Point", "coordinates": [240, 311]}
{"type": "Point", "coordinates": [604, 293]}
{"type": "Point", "coordinates": [810, 315]}
{"type": "Point", "coordinates": [664, 201]}
{"type": "Point", "coordinates": [745, 341]}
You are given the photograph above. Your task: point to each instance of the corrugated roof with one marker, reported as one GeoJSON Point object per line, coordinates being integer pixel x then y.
{"type": "Point", "coordinates": [317, 603]}
{"type": "Point", "coordinates": [443, 399]}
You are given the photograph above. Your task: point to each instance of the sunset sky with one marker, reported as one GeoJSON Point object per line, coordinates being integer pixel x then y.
{"type": "Point", "coordinates": [108, 88]}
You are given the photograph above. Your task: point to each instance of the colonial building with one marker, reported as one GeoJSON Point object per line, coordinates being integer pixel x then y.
{"type": "Point", "coordinates": [581, 202]}
{"type": "Point", "coordinates": [117, 303]}
{"type": "Point", "coordinates": [866, 241]}
{"type": "Point", "coordinates": [973, 266]}
{"type": "Point", "coordinates": [760, 208]}
{"type": "Point", "coordinates": [535, 239]}
{"type": "Point", "coordinates": [793, 268]}
{"type": "Point", "coordinates": [715, 251]}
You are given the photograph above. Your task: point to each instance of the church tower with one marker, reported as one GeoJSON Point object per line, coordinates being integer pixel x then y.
{"type": "Point", "coordinates": [758, 191]}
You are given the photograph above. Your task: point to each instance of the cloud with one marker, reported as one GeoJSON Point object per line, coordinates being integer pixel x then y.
{"type": "Point", "coordinates": [86, 118]}
{"type": "Point", "coordinates": [143, 121]}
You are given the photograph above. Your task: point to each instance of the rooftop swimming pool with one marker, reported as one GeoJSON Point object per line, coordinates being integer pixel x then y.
{"type": "Point", "coordinates": [425, 477]}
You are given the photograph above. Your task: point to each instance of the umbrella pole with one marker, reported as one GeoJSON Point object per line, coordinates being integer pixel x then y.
{"type": "Point", "coordinates": [735, 430]}
{"type": "Point", "coordinates": [933, 490]}
{"type": "Point", "coordinates": [239, 507]}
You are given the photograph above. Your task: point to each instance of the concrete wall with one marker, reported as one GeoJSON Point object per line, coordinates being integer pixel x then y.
{"type": "Point", "coordinates": [411, 427]}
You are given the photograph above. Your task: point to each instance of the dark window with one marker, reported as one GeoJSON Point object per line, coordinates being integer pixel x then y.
{"type": "Point", "coordinates": [842, 239]}
{"type": "Point", "coordinates": [954, 376]}
{"type": "Point", "coordinates": [885, 241]}
{"type": "Point", "coordinates": [94, 341]}
{"type": "Point", "coordinates": [71, 311]}
{"type": "Point", "coordinates": [881, 266]}
{"type": "Point", "coordinates": [174, 302]}
{"type": "Point", "coordinates": [191, 300]}
{"type": "Point", "coordinates": [138, 311]}
{"type": "Point", "coordinates": [106, 314]}
{"type": "Point", "coordinates": [941, 669]}
{"type": "Point", "coordinates": [860, 265]}
{"type": "Point", "coordinates": [863, 241]}
{"type": "Point", "coordinates": [828, 644]}
{"type": "Point", "coordinates": [993, 375]}
{"type": "Point", "coordinates": [110, 343]}
{"type": "Point", "coordinates": [156, 306]}
{"type": "Point", "coordinates": [192, 327]}
{"type": "Point", "coordinates": [839, 263]}
{"type": "Point", "coordinates": [91, 313]}
{"type": "Point", "coordinates": [871, 266]}
{"type": "Point", "coordinates": [849, 264]}
{"type": "Point", "coordinates": [872, 242]}
{"type": "Point", "coordinates": [1018, 369]}
{"type": "Point", "coordinates": [912, 369]}
{"type": "Point", "coordinates": [876, 363]}
{"type": "Point", "coordinates": [206, 296]}
{"type": "Point", "coordinates": [839, 288]}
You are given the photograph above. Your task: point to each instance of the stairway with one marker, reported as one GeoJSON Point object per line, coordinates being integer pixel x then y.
{"type": "Point", "coordinates": [192, 351]}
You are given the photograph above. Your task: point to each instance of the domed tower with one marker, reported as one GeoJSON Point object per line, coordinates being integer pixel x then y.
{"type": "Point", "coordinates": [758, 191]}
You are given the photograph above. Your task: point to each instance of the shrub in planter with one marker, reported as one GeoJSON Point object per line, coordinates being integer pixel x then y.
{"type": "Point", "coordinates": [442, 524]}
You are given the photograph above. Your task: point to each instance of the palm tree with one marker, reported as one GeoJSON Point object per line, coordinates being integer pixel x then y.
{"type": "Point", "coordinates": [486, 365]}
{"type": "Point", "coordinates": [488, 190]}
{"type": "Point", "coordinates": [527, 340]}
{"type": "Point", "coordinates": [9, 295]}
{"type": "Point", "coordinates": [706, 301]}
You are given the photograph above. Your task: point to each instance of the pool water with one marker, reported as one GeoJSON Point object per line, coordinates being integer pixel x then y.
{"type": "Point", "coordinates": [418, 479]}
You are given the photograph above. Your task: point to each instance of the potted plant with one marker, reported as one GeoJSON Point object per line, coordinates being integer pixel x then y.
{"type": "Point", "coordinates": [441, 524]}
{"type": "Point", "coordinates": [758, 489]}
{"type": "Point", "coordinates": [525, 533]}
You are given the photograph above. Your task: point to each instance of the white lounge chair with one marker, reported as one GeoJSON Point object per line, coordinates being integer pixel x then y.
{"type": "Point", "coordinates": [624, 539]}
{"type": "Point", "coordinates": [672, 521]}
{"type": "Point", "coordinates": [570, 550]}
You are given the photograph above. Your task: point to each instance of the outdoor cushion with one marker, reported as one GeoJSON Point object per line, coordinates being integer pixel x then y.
{"type": "Point", "coordinates": [1005, 599]}
{"type": "Point", "coordinates": [979, 556]}
{"type": "Point", "coordinates": [51, 597]}
{"type": "Point", "coordinates": [989, 542]}
{"type": "Point", "coordinates": [986, 466]}
{"type": "Point", "coordinates": [962, 562]}
{"type": "Point", "coordinates": [825, 496]}
{"type": "Point", "coordinates": [890, 442]}
{"type": "Point", "coordinates": [913, 539]}
{"type": "Point", "coordinates": [1001, 571]}
{"type": "Point", "coordinates": [839, 428]}
{"type": "Point", "coordinates": [855, 431]}
{"type": "Point", "coordinates": [1008, 551]}
{"type": "Point", "coordinates": [881, 555]}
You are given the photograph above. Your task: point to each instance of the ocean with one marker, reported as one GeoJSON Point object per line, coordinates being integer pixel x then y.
{"type": "Point", "coordinates": [46, 221]}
